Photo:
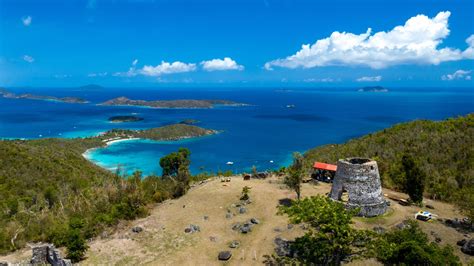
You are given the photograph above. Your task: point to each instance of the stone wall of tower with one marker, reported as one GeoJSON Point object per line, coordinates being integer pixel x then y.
{"type": "Point", "coordinates": [360, 178]}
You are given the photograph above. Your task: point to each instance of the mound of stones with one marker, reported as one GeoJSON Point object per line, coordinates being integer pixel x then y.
{"type": "Point", "coordinates": [467, 246]}
{"type": "Point", "coordinates": [245, 227]}
{"type": "Point", "coordinates": [464, 224]}
{"type": "Point", "coordinates": [47, 254]}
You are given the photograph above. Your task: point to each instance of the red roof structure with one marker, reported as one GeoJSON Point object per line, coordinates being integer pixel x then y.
{"type": "Point", "coordinates": [325, 166]}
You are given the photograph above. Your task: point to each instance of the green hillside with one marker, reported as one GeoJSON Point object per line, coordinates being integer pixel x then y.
{"type": "Point", "coordinates": [444, 150]}
{"type": "Point", "coordinates": [45, 185]}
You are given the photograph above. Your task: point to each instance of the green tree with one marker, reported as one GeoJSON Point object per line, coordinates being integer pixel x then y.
{"type": "Point", "coordinates": [331, 239]}
{"type": "Point", "coordinates": [295, 174]}
{"type": "Point", "coordinates": [410, 246]}
{"type": "Point", "coordinates": [415, 179]}
{"type": "Point", "coordinates": [176, 167]}
{"type": "Point", "coordinates": [75, 242]}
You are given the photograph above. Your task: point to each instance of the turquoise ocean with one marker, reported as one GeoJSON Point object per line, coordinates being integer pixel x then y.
{"type": "Point", "coordinates": [263, 134]}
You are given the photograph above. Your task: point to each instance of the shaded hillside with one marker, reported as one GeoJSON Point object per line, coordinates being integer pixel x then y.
{"type": "Point", "coordinates": [444, 150]}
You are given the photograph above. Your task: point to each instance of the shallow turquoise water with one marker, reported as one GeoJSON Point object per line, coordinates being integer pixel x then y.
{"type": "Point", "coordinates": [252, 135]}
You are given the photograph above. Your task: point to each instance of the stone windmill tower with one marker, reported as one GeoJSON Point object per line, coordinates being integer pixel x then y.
{"type": "Point", "coordinates": [359, 177]}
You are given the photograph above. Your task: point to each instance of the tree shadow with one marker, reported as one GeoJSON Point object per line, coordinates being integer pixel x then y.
{"type": "Point", "coordinates": [285, 202]}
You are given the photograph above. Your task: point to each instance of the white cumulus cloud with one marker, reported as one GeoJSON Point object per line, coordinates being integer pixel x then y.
{"type": "Point", "coordinates": [155, 71]}
{"type": "Point", "coordinates": [221, 64]}
{"type": "Point", "coordinates": [167, 68]}
{"type": "Point", "coordinates": [458, 74]}
{"type": "Point", "coordinates": [369, 79]}
{"type": "Point", "coordinates": [28, 58]}
{"type": "Point", "coordinates": [415, 42]}
{"type": "Point", "coordinates": [469, 52]}
{"type": "Point", "coordinates": [26, 20]}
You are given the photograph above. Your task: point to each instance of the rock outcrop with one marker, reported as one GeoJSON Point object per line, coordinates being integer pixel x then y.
{"type": "Point", "coordinates": [47, 254]}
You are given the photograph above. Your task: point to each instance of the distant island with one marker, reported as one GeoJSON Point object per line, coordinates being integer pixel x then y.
{"type": "Point", "coordinates": [189, 122]}
{"type": "Point", "coordinates": [373, 89]}
{"type": "Point", "coordinates": [125, 118]}
{"type": "Point", "coordinates": [169, 103]}
{"type": "Point", "coordinates": [7, 94]}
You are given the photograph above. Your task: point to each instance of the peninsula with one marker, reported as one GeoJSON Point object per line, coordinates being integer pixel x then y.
{"type": "Point", "coordinates": [185, 103]}
{"type": "Point", "coordinates": [170, 132]}
{"type": "Point", "coordinates": [7, 94]}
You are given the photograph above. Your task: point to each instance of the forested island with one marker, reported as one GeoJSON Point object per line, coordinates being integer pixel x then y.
{"type": "Point", "coordinates": [125, 118]}
{"type": "Point", "coordinates": [7, 94]}
{"type": "Point", "coordinates": [373, 89]}
{"type": "Point", "coordinates": [169, 103]}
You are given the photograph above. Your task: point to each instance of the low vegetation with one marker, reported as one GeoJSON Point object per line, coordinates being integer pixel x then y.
{"type": "Point", "coordinates": [332, 240]}
{"type": "Point", "coordinates": [443, 151]}
{"type": "Point", "coordinates": [295, 174]}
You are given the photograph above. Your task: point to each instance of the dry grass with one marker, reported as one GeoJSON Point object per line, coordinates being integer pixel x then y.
{"type": "Point", "coordinates": [163, 241]}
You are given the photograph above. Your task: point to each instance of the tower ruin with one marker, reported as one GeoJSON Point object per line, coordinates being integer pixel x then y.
{"type": "Point", "coordinates": [360, 178]}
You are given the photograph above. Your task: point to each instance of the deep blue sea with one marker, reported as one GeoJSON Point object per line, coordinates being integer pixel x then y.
{"type": "Point", "coordinates": [264, 134]}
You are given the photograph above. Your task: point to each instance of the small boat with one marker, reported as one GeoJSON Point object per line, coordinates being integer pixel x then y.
{"type": "Point", "coordinates": [271, 161]}
{"type": "Point", "coordinates": [290, 106]}
{"type": "Point", "coordinates": [229, 163]}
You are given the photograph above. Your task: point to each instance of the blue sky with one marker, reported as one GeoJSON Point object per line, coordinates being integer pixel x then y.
{"type": "Point", "coordinates": [236, 43]}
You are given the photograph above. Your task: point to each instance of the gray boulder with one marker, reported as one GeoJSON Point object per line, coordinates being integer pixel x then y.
{"type": "Point", "coordinates": [246, 228]}
{"type": "Point", "coordinates": [461, 242]}
{"type": "Point", "coordinates": [468, 247]}
{"type": "Point", "coordinates": [254, 221]}
{"type": "Point", "coordinates": [47, 254]}
{"type": "Point", "coordinates": [137, 229]}
{"type": "Point", "coordinates": [224, 255]}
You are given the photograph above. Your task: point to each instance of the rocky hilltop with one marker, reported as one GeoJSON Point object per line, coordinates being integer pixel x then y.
{"type": "Point", "coordinates": [169, 103]}
{"type": "Point", "coordinates": [7, 94]}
